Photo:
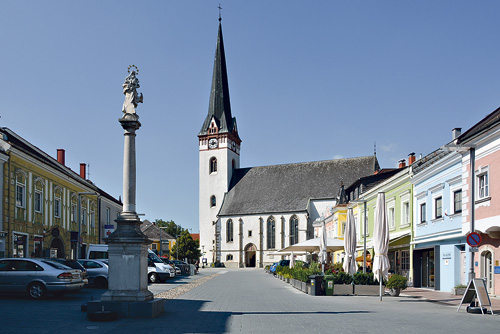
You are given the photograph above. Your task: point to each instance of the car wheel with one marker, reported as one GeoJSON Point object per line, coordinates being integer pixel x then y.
{"type": "Point", "coordinates": [36, 290]}
{"type": "Point", "coordinates": [101, 283]}
{"type": "Point", "coordinates": [152, 278]}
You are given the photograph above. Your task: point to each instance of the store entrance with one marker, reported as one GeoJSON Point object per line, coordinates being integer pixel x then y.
{"type": "Point", "coordinates": [428, 275]}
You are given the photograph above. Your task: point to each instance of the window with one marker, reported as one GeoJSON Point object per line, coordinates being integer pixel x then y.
{"type": "Point", "coordinates": [457, 201]}
{"type": "Point", "coordinates": [57, 207]}
{"type": "Point", "coordinates": [482, 186]}
{"type": "Point", "coordinates": [438, 207]}
{"type": "Point", "coordinates": [74, 213]}
{"type": "Point", "coordinates": [271, 233]}
{"type": "Point", "coordinates": [423, 217]}
{"type": "Point", "coordinates": [229, 230]}
{"type": "Point", "coordinates": [406, 213]}
{"type": "Point", "coordinates": [233, 164]}
{"type": "Point", "coordinates": [213, 165]}
{"type": "Point", "coordinates": [405, 260]}
{"type": "Point", "coordinates": [213, 201]}
{"type": "Point", "coordinates": [392, 220]}
{"type": "Point", "coordinates": [249, 233]}
{"type": "Point", "coordinates": [229, 257]}
{"type": "Point", "coordinates": [20, 195]}
{"type": "Point", "coordinates": [84, 216]}
{"type": "Point", "coordinates": [294, 230]}
{"type": "Point", "coordinates": [38, 201]}
{"type": "Point", "coordinates": [108, 216]}
{"type": "Point", "coordinates": [92, 219]}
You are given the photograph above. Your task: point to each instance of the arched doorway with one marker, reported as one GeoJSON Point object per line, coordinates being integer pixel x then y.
{"type": "Point", "coordinates": [487, 270]}
{"type": "Point", "coordinates": [250, 254]}
{"type": "Point", "coordinates": [58, 245]}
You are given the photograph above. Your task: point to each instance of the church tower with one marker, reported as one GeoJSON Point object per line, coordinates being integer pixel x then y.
{"type": "Point", "coordinates": [219, 151]}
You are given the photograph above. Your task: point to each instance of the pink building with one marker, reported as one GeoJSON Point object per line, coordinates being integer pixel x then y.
{"type": "Point", "coordinates": [485, 137]}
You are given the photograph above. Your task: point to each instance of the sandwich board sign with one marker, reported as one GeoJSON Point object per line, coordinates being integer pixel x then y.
{"type": "Point", "coordinates": [476, 289]}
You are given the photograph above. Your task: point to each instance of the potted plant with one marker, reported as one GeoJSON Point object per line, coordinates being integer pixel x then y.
{"type": "Point", "coordinates": [342, 284]}
{"type": "Point", "coordinates": [459, 289]}
{"type": "Point", "coordinates": [395, 284]}
{"type": "Point", "coordinates": [365, 285]}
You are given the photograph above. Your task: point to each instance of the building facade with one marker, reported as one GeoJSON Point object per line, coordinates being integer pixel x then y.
{"type": "Point", "coordinates": [440, 254]}
{"type": "Point", "coordinates": [47, 209]}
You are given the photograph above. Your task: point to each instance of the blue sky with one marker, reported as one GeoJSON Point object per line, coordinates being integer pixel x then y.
{"type": "Point", "coordinates": [309, 80]}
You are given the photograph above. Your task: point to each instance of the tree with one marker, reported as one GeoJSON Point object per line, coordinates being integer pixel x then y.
{"type": "Point", "coordinates": [171, 227]}
{"type": "Point", "coordinates": [187, 247]}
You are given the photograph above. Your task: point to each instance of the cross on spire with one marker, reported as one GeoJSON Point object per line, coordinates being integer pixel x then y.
{"type": "Point", "coordinates": [220, 8]}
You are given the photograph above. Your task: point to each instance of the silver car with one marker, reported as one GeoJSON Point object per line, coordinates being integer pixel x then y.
{"type": "Point", "coordinates": [37, 277]}
{"type": "Point", "coordinates": [97, 272]}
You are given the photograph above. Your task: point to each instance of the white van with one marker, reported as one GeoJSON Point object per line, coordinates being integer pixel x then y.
{"type": "Point", "coordinates": [158, 271]}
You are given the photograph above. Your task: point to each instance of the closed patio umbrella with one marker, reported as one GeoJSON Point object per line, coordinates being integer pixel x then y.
{"type": "Point", "coordinates": [381, 241]}
{"type": "Point", "coordinates": [323, 245]}
{"type": "Point", "coordinates": [350, 265]}
{"type": "Point", "coordinates": [292, 260]}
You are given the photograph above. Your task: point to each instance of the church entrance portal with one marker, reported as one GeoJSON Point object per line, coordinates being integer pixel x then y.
{"type": "Point", "coordinates": [250, 254]}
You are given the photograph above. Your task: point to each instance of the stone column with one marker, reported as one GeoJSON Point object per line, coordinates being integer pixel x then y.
{"type": "Point", "coordinates": [128, 293]}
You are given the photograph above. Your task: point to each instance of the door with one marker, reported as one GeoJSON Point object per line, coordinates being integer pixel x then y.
{"type": "Point", "coordinates": [487, 270]}
{"type": "Point", "coordinates": [462, 268]}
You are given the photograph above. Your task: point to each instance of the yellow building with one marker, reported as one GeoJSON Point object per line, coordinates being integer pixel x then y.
{"type": "Point", "coordinates": [158, 237]}
{"type": "Point", "coordinates": [46, 208]}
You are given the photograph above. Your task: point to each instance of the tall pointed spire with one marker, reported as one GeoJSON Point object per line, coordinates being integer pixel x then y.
{"type": "Point", "coordinates": [219, 105]}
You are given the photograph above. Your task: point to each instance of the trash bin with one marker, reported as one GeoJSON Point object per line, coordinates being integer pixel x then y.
{"type": "Point", "coordinates": [316, 281]}
{"type": "Point", "coordinates": [329, 285]}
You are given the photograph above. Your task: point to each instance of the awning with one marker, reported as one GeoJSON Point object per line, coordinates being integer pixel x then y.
{"type": "Point", "coordinates": [312, 245]}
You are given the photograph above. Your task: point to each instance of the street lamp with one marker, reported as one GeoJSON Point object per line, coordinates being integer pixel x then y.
{"type": "Point", "coordinates": [364, 231]}
{"type": "Point", "coordinates": [472, 157]}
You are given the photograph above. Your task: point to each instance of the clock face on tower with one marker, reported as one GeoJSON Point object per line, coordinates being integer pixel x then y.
{"type": "Point", "coordinates": [213, 143]}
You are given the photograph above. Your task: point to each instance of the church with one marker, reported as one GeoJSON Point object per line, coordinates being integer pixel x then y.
{"type": "Point", "coordinates": [247, 214]}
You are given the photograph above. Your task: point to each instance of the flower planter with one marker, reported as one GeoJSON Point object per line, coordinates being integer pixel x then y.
{"type": "Point", "coordinates": [287, 280]}
{"type": "Point", "coordinates": [459, 291]}
{"type": "Point", "coordinates": [394, 292]}
{"type": "Point", "coordinates": [343, 289]}
{"type": "Point", "coordinates": [368, 290]}
{"type": "Point", "coordinates": [303, 286]}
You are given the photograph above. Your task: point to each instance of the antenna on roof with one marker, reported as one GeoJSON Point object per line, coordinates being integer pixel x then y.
{"type": "Point", "coordinates": [375, 148]}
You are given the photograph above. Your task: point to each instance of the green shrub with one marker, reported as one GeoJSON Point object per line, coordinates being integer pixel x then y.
{"type": "Point", "coordinates": [342, 278]}
{"type": "Point", "coordinates": [315, 268]}
{"type": "Point", "coordinates": [397, 282]}
{"type": "Point", "coordinates": [267, 267]}
{"type": "Point", "coordinates": [364, 279]}
{"type": "Point", "coordinates": [460, 286]}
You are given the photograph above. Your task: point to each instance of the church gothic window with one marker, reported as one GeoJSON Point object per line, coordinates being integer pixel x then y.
{"type": "Point", "coordinates": [271, 233]}
{"type": "Point", "coordinates": [229, 231]}
{"type": "Point", "coordinates": [213, 165]}
{"type": "Point", "coordinates": [294, 230]}
{"type": "Point", "coordinates": [213, 201]}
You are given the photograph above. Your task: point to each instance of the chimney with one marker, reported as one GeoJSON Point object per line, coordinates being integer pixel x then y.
{"type": "Point", "coordinates": [411, 158]}
{"type": "Point", "coordinates": [61, 156]}
{"type": "Point", "coordinates": [83, 170]}
{"type": "Point", "coordinates": [402, 163]}
{"type": "Point", "coordinates": [455, 133]}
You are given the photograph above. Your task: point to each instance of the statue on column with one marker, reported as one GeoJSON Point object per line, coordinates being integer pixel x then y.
{"type": "Point", "coordinates": [132, 98]}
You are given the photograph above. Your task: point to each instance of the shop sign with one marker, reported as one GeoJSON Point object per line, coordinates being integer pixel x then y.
{"type": "Point", "coordinates": [3, 234]}
{"type": "Point", "coordinates": [497, 269]}
{"type": "Point", "coordinates": [108, 229]}
{"type": "Point", "coordinates": [38, 239]}
{"type": "Point", "coordinates": [446, 255]}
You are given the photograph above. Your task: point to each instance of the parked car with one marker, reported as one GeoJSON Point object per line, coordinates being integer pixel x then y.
{"type": "Point", "coordinates": [157, 269]}
{"type": "Point", "coordinates": [172, 264]}
{"type": "Point", "coordinates": [97, 272]}
{"type": "Point", "coordinates": [37, 277]}
{"type": "Point", "coordinates": [74, 264]}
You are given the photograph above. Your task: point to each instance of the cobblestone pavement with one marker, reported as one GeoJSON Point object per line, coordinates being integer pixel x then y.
{"type": "Point", "coordinates": [251, 301]}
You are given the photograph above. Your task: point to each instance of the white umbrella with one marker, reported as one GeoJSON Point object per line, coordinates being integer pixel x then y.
{"type": "Point", "coordinates": [292, 260]}
{"type": "Point", "coordinates": [381, 241]}
{"type": "Point", "coordinates": [350, 266]}
{"type": "Point", "coordinates": [323, 245]}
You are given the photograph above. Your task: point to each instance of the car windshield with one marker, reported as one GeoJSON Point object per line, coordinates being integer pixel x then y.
{"type": "Point", "coordinates": [153, 257]}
